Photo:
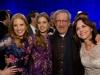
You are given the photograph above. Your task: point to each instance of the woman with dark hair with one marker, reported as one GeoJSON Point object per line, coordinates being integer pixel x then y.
{"type": "Point", "coordinates": [85, 32]}
{"type": "Point", "coordinates": [41, 53]}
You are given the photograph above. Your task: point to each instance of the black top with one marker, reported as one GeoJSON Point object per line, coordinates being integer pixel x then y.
{"type": "Point", "coordinates": [3, 32]}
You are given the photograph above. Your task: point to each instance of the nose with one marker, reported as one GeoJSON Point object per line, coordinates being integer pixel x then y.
{"type": "Point", "coordinates": [81, 29]}
{"type": "Point", "coordinates": [40, 24]}
{"type": "Point", "coordinates": [61, 22]}
{"type": "Point", "coordinates": [18, 27]}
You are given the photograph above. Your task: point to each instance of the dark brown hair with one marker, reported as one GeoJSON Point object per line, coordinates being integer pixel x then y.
{"type": "Point", "coordinates": [88, 23]}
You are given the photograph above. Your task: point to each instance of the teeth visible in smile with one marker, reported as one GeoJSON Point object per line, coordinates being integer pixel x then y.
{"type": "Point", "coordinates": [83, 34]}
{"type": "Point", "coordinates": [19, 31]}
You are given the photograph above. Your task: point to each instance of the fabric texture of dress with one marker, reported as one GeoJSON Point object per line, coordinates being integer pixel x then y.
{"type": "Point", "coordinates": [19, 56]}
{"type": "Point", "coordinates": [42, 64]}
{"type": "Point", "coordinates": [91, 59]}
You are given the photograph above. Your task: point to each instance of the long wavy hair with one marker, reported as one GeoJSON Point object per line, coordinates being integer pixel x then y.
{"type": "Point", "coordinates": [88, 23]}
{"type": "Point", "coordinates": [11, 28]}
{"type": "Point", "coordinates": [39, 38]}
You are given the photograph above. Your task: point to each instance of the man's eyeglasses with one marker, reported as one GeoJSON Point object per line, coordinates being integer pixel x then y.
{"type": "Point", "coordinates": [63, 21]}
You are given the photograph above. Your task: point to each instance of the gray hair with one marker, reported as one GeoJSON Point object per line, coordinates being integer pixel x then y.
{"type": "Point", "coordinates": [62, 11]}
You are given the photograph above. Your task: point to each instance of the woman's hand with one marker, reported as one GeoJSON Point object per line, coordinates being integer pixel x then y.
{"type": "Point", "coordinates": [9, 71]}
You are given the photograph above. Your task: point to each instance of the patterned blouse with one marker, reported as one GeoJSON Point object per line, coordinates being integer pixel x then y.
{"type": "Point", "coordinates": [42, 61]}
{"type": "Point", "coordinates": [19, 57]}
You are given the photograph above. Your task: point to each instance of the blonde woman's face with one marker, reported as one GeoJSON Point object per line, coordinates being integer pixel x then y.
{"type": "Point", "coordinates": [43, 24]}
{"type": "Point", "coordinates": [19, 27]}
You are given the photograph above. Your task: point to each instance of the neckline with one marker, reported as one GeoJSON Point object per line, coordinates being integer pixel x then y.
{"type": "Point", "coordinates": [92, 47]}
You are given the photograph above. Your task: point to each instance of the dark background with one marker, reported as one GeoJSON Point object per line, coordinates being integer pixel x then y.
{"type": "Point", "coordinates": [92, 7]}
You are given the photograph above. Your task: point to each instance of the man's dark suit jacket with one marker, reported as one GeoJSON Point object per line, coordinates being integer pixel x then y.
{"type": "Point", "coordinates": [30, 31]}
{"type": "Point", "coordinates": [3, 32]}
{"type": "Point", "coordinates": [71, 64]}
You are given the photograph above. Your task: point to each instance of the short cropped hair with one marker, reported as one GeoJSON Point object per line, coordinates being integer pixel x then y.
{"type": "Point", "coordinates": [62, 11]}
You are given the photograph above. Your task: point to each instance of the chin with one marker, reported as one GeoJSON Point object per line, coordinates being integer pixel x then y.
{"type": "Point", "coordinates": [43, 31]}
{"type": "Point", "coordinates": [21, 35]}
{"type": "Point", "coordinates": [83, 38]}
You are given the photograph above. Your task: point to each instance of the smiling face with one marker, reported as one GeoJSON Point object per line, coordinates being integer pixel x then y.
{"type": "Point", "coordinates": [62, 22]}
{"type": "Point", "coordinates": [83, 31]}
{"type": "Point", "coordinates": [43, 24]}
{"type": "Point", "coordinates": [19, 27]}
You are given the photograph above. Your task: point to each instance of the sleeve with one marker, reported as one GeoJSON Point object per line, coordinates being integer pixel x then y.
{"type": "Point", "coordinates": [5, 42]}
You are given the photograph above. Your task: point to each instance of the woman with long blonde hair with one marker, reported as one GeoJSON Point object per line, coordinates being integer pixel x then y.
{"type": "Point", "coordinates": [41, 53]}
{"type": "Point", "coordinates": [17, 45]}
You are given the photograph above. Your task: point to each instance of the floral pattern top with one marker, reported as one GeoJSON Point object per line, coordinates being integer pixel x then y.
{"type": "Point", "coordinates": [42, 60]}
{"type": "Point", "coordinates": [19, 57]}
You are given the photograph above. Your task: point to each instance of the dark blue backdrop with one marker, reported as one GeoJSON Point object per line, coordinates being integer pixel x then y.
{"type": "Point", "coordinates": [25, 6]}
